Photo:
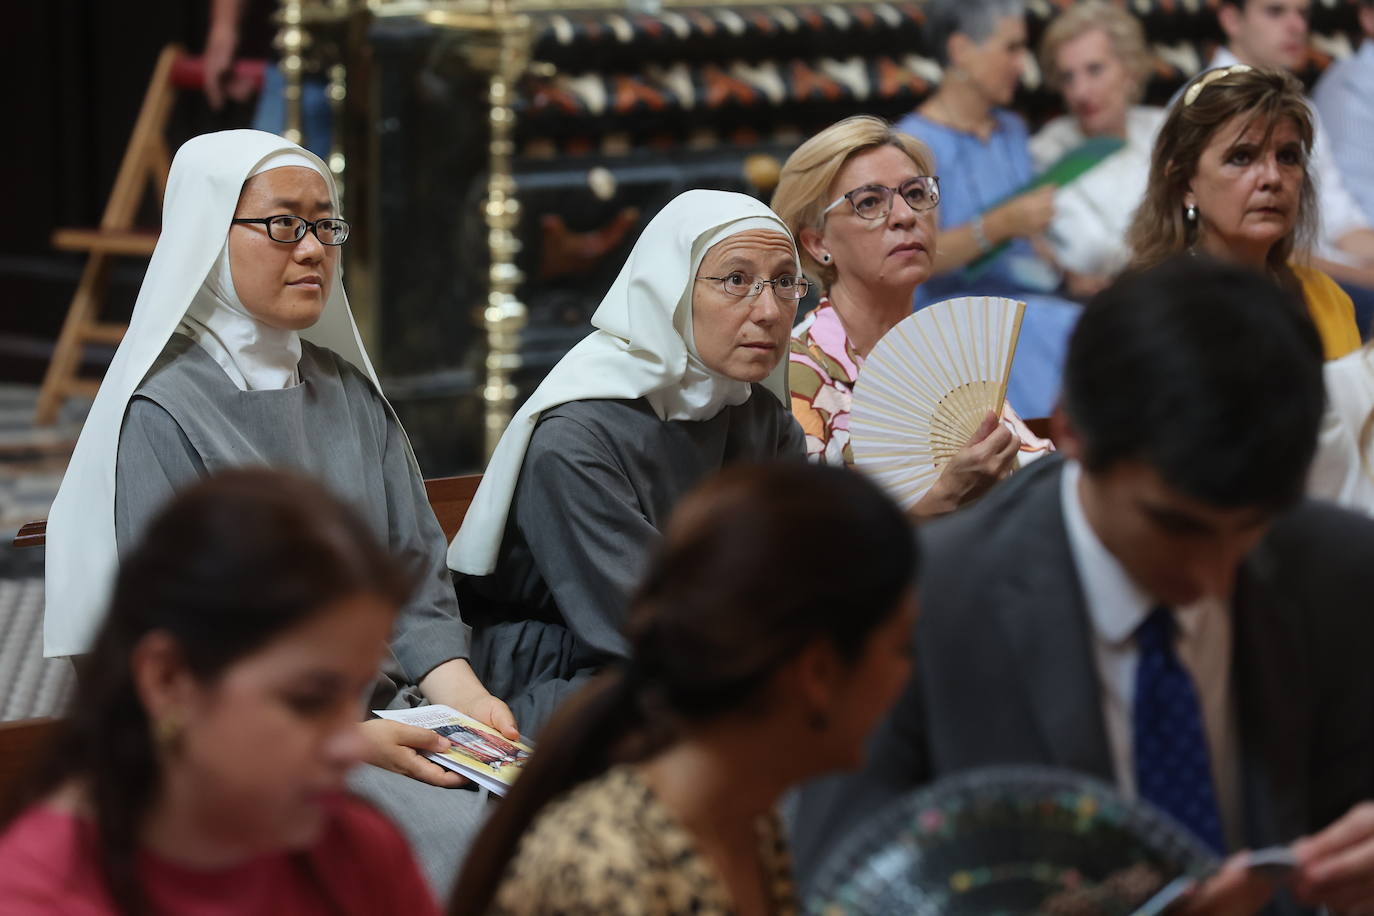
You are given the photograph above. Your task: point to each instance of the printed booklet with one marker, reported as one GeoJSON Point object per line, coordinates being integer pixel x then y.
{"type": "Point", "coordinates": [479, 752]}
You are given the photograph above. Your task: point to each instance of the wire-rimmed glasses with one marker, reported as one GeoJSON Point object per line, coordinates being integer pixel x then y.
{"type": "Point", "coordinates": [290, 229]}
{"type": "Point", "coordinates": [742, 286]}
{"type": "Point", "coordinates": [874, 201]}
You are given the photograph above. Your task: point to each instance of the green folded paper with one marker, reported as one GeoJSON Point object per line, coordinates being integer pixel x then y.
{"type": "Point", "coordinates": [1065, 170]}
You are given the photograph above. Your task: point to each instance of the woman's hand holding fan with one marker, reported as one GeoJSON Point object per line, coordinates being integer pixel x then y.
{"type": "Point", "coordinates": [988, 456]}
{"type": "Point", "coordinates": [927, 405]}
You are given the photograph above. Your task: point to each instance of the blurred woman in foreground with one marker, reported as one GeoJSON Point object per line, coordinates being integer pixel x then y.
{"type": "Point", "coordinates": [203, 761]}
{"type": "Point", "coordinates": [654, 789]}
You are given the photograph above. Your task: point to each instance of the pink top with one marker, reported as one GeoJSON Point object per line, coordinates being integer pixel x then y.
{"type": "Point", "coordinates": [360, 865]}
{"type": "Point", "coordinates": [822, 373]}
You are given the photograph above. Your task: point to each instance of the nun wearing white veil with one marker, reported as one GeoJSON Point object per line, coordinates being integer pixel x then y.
{"type": "Point", "coordinates": [242, 351]}
{"type": "Point", "coordinates": [684, 374]}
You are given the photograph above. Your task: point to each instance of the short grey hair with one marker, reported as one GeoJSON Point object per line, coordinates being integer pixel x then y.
{"type": "Point", "coordinates": [976, 19]}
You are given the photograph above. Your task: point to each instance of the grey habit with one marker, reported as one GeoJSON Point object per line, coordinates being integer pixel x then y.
{"type": "Point", "coordinates": [188, 420]}
{"type": "Point", "coordinates": [598, 483]}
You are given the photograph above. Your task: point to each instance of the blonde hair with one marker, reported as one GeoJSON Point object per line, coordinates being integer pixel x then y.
{"type": "Point", "coordinates": [1123, 30]}
{"type": "Point", "coordinates": [1159, 229]}
{"type": "Point", "coordinates": [804, 184]}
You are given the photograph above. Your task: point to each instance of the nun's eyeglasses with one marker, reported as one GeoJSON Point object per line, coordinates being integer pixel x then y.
{"type": "Point", "coordinates": [874, 201]}
{"type": "Point", "coordinates": [743, 286]}
{"type": "Point", "coordinates": [291, 229]}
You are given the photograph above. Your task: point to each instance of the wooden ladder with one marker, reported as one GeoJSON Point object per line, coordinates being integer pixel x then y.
{"type": "Point", "coordinates": [146, 157]}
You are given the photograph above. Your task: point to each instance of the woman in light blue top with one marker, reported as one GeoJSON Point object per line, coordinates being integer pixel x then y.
{"type": "Point", "coordinates": [987, 229]}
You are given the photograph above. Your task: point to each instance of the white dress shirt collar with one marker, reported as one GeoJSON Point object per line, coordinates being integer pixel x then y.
{"type": "Point", "coordinates": [1116, 605]}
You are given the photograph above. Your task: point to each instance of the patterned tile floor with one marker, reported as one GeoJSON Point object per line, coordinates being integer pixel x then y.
{"type": "Point", "coordinates": [31, 464]}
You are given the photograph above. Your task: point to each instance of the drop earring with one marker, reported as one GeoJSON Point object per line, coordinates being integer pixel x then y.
{"type": "Point", "coordinates": [1190, 215]}
{"type": "Point", "coordinates": [167, 734]}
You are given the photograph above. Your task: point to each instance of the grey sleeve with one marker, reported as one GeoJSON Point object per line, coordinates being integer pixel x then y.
{"type": "Point", "coordinates": [791, 440]}
{"type": "Point", "coordinates": [154, 461]}
{"type": "Point", "coordinates": [430, 630]}
{"type": "Point", "coordinates": [589, 539]}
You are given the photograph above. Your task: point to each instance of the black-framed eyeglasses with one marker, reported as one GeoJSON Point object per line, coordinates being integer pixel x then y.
{"type": "Point", "coordinates": [743, 286]}
{"type": "Point", "coordinates": [291, 229]}
{"type": "Point", "coordinates": [874, 201]}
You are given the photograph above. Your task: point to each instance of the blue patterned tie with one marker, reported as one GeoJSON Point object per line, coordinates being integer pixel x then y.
{"type": "Point", "coordinates": [1172, 767]}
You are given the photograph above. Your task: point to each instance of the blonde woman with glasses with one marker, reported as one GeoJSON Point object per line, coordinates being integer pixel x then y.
{"type": "Point", "coordinates": [861, 199]}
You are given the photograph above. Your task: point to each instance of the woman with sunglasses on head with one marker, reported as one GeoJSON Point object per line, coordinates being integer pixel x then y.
{"type": "Point", "coordinates": [862, 199]}
{"type": "Point", "coordinates": [684, 374]}
{"type": "Point", "coordinates": [242, 351]}
{"type": "Point", "coordinates": [201, 765]}
{"type": "Point", "coordinates": [1230, 178]}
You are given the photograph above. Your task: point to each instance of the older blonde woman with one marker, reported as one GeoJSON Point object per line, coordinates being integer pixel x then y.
{"type": "Point", "coordinates": [1229, 178]}
{"type": "Point", "coordinates": [860, 198]}
{"type": "Point", "coordinates": [1094, 54]}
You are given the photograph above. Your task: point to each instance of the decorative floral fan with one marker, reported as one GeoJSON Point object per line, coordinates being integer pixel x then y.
{"type": "Point", "coordinates": [1009, 840]}
{"type": "Point", "coordinates": [926, 387]}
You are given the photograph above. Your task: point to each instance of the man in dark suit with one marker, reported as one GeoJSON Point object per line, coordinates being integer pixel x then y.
{"type": "Point", "coordinates": [1156, 605]}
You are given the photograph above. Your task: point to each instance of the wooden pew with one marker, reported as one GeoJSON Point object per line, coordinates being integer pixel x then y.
{"type": "Point", "coordinates": [23, 745]}
{"type": "Point", "coordinates": [449, 497]}
{"type": "Point", "coordinates": [33, 534]}
{"type": "Point", "coordinates": [1038, 425]}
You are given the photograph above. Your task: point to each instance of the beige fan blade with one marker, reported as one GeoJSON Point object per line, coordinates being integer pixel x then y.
{"type": "Point", "coordinates": [926, 387]}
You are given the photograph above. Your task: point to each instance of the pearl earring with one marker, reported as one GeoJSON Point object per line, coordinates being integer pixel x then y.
{"type": "Point", "coordinates": [1190, 214]}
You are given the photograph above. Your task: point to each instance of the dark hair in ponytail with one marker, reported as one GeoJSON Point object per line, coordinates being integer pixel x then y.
{"type": "Point", "coordinates": [226, 567]}
{"type": "Point", "coordinates": [729, 599]}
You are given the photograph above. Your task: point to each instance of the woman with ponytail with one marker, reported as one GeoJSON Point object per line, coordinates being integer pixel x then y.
{"type": "Point", "coordinates": [750, 670]}
{"type": "Point", "coordinates": [203, 761]}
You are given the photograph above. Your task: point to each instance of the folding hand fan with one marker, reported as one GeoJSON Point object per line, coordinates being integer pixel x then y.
{"type": "Point", "coordinates": [1009, 841]}
{"type": "Point", "coordinates": [927, 386]}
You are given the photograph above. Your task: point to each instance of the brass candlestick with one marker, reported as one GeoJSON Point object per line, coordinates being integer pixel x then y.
{"type": "Point", "coordinates": [292, 41]}
{"type": "Point", "coordinates": [497, 43]}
